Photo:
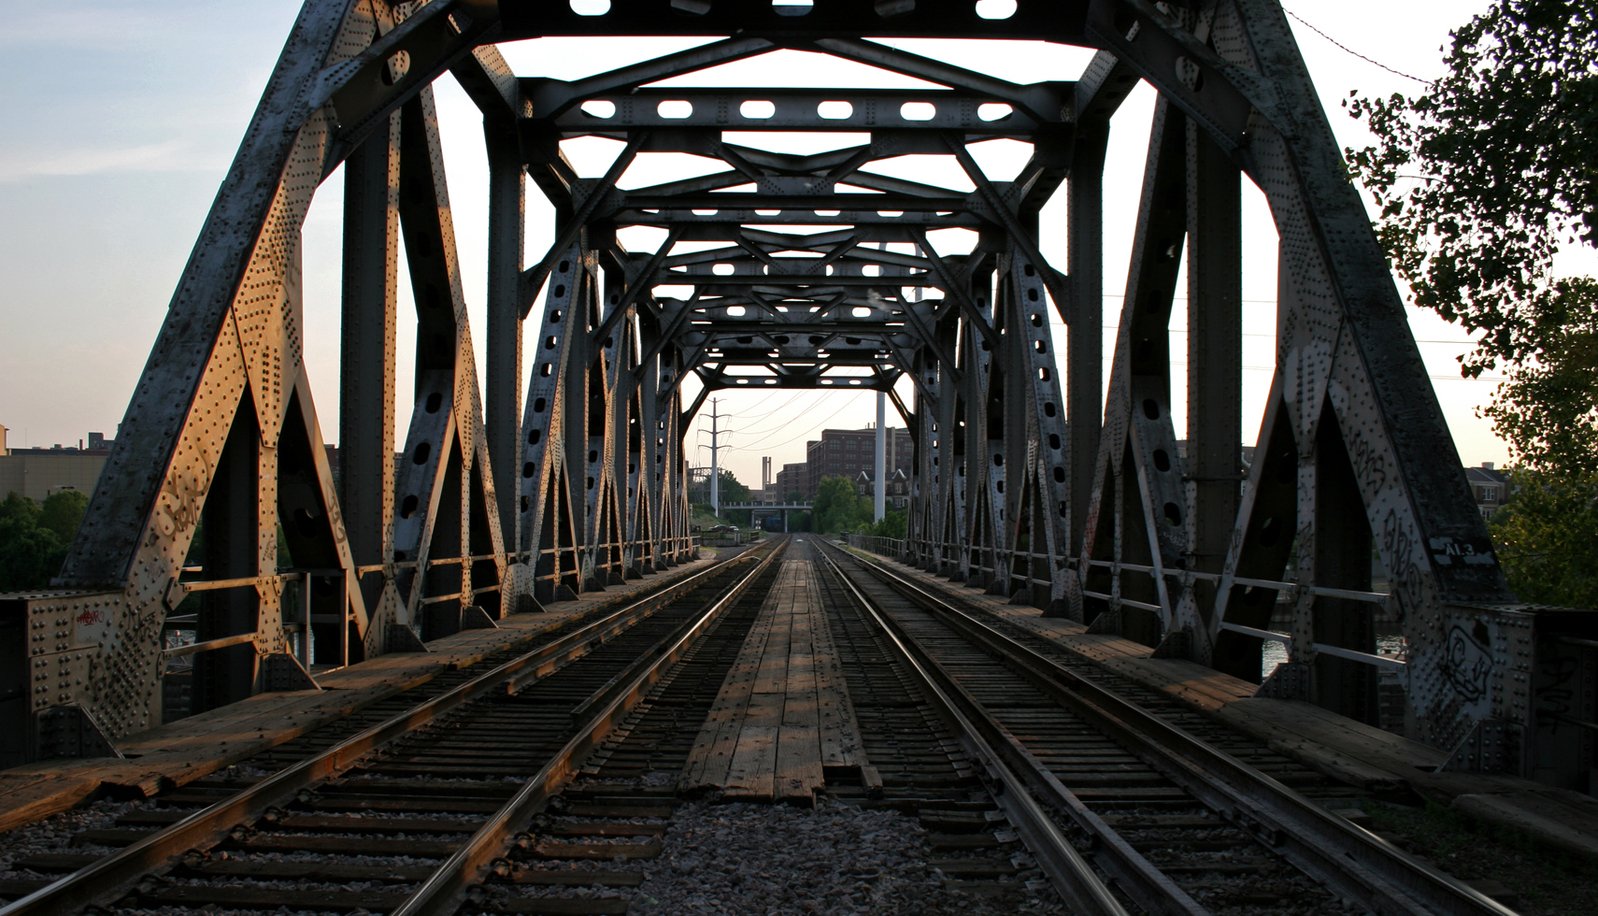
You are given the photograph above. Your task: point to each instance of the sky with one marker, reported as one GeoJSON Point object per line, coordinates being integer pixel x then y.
{"type": "Point", "coordinates": [122, 116]}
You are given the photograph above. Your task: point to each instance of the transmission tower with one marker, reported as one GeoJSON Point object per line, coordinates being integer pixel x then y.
{"type": "Point", "coordinates": [715, 455]}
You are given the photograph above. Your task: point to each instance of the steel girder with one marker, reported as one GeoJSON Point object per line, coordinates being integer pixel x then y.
{"type": "Point", "coordinates": [784, 269]}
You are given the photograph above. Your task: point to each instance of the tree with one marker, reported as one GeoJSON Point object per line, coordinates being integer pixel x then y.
{"type": "Point", "coordinates": [1547, 537]}
{"type": "Point", "coordinates": [1481, 178]}
{"type": "Point", "coordinates": [837, 508]}
{"type": "Point", "coordinates": [895, 524]}
{"type": "Point", "coordinates": [1547, 409]}
{"type": "Point", "coordinates": [30, 554]}
{"type": "Point", "coordinates": [1480, 181]}
{"type": "Point", "coordinates": [63, 512]}
{"type": "Point", "coordinates": [731, 490]}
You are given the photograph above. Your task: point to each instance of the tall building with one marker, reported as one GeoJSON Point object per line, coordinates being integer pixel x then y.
{"type": "Point", "coordinates": [791, 481]}
{"type": "Point", "coordinates": [848, 452]}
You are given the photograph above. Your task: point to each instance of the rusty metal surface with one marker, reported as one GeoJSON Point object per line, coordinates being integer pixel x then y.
{"type": "Point", "coordinates": [569, 472]}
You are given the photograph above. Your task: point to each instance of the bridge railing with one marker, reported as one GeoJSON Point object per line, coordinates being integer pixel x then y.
{"type": "Point", "coordinates": [1018, 576]}
{"type": "Point", "coordinates": [1548, 729]}
{"type": "Point", "coordinates": [294, 584]}
{"type": "Point", "coordinates": [889, 547]}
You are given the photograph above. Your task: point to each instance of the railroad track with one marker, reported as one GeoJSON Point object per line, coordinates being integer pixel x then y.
{"type": "Point", "coordinates": [976, 727]}
{"type": "Point", "coordinates": [919, 766]}
{"type": "Point", "coordinates": [586, 846]}
{"type": "Point", "coordinates": [1123, 808]}
{"type": "Point", "coordinates": [592, 847]}
{"type": "Point", "coordinates": [406, 814]}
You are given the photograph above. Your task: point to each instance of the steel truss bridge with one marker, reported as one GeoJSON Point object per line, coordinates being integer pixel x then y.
{"type": "Point", "coordinates": [566, 471]}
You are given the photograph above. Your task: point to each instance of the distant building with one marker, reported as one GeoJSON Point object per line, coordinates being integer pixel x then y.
{"type": "Point", "coordinates": [898, 491]}
{"type": "Point", "coordinates": [39, 472]}
{"type": "Point", "coordinates": [1489, 487]}
{"type": "Point", "coordinates": [849, 452]}
{"type": "Point", "coordinates": [791, 481]}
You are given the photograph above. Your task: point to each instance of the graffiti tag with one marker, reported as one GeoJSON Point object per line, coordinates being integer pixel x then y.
{"type": "Point", "coordinates": [1556, 696]}
{"type": "Point", "coordinates": [1467, 662]}
{"type": "Point", "coordinates": [1402, 564]}
{"type": "Point", "coordinates": [1370, 464]}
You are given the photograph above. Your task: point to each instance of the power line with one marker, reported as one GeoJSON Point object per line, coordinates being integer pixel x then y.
{"type": "Point", "coordinates": [764, 398]}
{"type": "Point", "coordinates": [1346, 49]}
{"type": "Point", "coordinates": [808, 430]}
{"type": "Point", "coordinates": [781, 424]}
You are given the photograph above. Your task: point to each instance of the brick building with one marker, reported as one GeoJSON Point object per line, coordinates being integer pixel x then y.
{"type": "Point", "coordinates": [791, 481]}
{"type": "Point", "coordinates": [847, 453]}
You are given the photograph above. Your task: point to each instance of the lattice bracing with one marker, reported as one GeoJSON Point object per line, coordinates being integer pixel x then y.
{"type": "Point", "coordinates": [784, 266]}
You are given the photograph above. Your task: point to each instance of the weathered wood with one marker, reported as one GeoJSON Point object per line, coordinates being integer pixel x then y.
{"type": "Point", "coordinates": [783, 714]}
{"type": "Point", "coordinates": [711, 758]}
{"type": "Point", "coordinates": [27, 798]}
{"type": "Point", "coordinates": [751, 774]}
{"type": "Point", "coordinates": [840, 732]}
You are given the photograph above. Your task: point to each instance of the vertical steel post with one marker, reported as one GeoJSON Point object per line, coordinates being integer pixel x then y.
{"type": "Point", "coordinates": [507, 206]}
{"type": "Point", "coordinates": [1085, 336]}
{"type": "Point", "coordinates": [366, 390]}
{"type": "Point", "coordinates": [1214, 356]}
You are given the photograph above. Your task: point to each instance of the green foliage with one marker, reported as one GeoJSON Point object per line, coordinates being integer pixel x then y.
{"type": "Point", "coordinates": [33, 540]}
{"type": "Point", "coordinates": [837, 508]}
{"type": "Point", "coordinates": [1480, 181]}
{"type": "Point", "coordinates": [19, 509]}
{"type": "Point", "coordinates": [894, 524]}
{"type": "Point", "coordinates": [62, 513]}
{"type": "Point", "coordinates": [1547, 410]}
{"type": "Point", "coordinates": [1547, 536]}
{"type": "Point", "coordinates": [731, 490]}
{"type": "Point", "coordinates": [1481, 178]}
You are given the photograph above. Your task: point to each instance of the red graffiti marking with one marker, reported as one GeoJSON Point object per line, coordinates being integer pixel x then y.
{"type": "Point", "coordinates": [90, 618]}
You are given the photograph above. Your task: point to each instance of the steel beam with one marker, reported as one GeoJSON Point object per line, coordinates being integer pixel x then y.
{"type": "Point", "coordinates": [1082, 503]}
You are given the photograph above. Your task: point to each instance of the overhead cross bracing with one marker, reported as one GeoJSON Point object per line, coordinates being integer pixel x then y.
{"type": "Point", "coordinates": [561, 467]}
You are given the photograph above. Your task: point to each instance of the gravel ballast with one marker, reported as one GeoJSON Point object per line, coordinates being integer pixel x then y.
{"type": "Point", "coordinates": [774, 859]}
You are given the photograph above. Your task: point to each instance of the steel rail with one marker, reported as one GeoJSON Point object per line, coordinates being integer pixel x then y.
{"type": "Point", "coordinates": [116, 873]}
{"type": "Point", "coordinates": [1145, 882]}
{"type": "Point", "coordinates": [444, 891]}
{"type": "Point", "coordinates": [1070, 874]}
{"type": "Point", "coordinates": [1348, 858]}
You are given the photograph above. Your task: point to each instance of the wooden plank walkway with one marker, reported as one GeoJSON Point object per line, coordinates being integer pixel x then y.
{"type": "Point", "coordinates": [783, 715]}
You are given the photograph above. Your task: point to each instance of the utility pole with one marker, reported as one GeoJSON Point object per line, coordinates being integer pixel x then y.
{"type": "Point", "coordinates": [715, 454]}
